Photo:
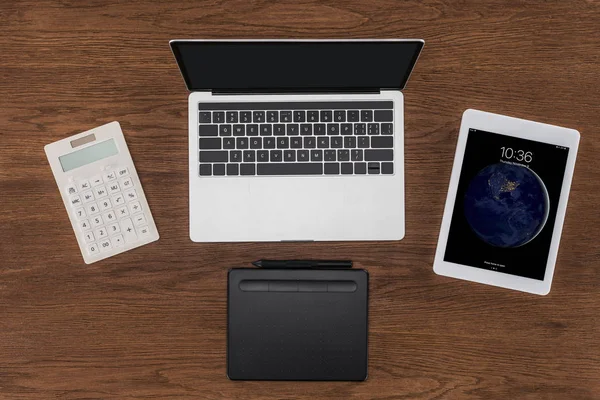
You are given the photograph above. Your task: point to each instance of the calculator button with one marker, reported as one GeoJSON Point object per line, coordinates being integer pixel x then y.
{"type": "Point", "coordinates": [113, 228]}
{"type": "Point", "coordinates": [83, 185]}
{"type": "Point", "coordinates": [105, 204]}
{"type": "Point", "coordinates": [92, 209]}
{"type": "Point", "coordinates": [118, 200]}
{"type": "Point", "coordinates": [92, 249]}
{"type": "Point", "coordinates": [110, 176]}
{"type": "Point", "coordinates": [101, 233]}
{"type": "Point", "coordinates": [131, 195]}
{"type": "Point", "coordinates": [71, 189]}
{"type": "Point", "coordinates": [75, 200]}
{"type": "Point", "coordinates": [144, 231]}
{"type": "Point", "coordinates": [96, 180]}
{"type": "Point", "coordinates": [85, 225]}
{"type": "Point", "coordinates": [89, 237]}
{"type": "Point", "coordinates": [80, 213]}
{"type": "Point", "coordinates": [105, 245]}
{"type": "Point", "coordinates": [121, 172]}
{"type": "Point", "coordinates": [87, 196]}
{"type": "Point", "coordinates": [122, 212]}
{"type": "Point", "coordinates": [117, 241]}
{"type": "Point", "coordinates": [135, 207]}
{"type": "Point", "coordinates": [139, 220]}
{"type": "Point", "coordinates": [101, 192]}
{"type": "Point", "coordinates": [114, 188]}
{"type": "Point", "coordinates": [128, 230]}
{"type": "Point", "coordinates": [109, 217]}
{"type": "Point", "coordinates": [97, 221]}
{"type": "Point", "coordinates": [126, 183]}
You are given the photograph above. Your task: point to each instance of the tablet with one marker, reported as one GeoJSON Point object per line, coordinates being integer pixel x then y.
{"type": "Point", "coordinates": [506, 203]}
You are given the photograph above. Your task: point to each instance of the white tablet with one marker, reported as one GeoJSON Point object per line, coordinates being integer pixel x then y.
{"type": "Point", "coordinates": [506, 202]}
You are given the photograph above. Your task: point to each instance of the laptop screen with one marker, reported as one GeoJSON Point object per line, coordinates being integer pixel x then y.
{"type": "Point", "coordinates": [296, 65]}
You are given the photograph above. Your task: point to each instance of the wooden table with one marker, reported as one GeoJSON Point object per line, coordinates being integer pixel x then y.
{"type": "Point", "coordinates": [150, 323]}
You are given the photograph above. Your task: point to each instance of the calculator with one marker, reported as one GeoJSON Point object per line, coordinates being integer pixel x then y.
{"type": "Point", "coordinates": [102, 192]}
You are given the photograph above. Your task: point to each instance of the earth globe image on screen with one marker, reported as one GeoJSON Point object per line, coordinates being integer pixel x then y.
{"type": "Point", "coordinates": [506, 205]}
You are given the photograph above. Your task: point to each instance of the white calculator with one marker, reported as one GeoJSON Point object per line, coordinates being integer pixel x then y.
{"type": "Point", "coordinates": [102, 192]}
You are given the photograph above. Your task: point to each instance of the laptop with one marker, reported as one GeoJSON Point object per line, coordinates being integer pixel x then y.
{"type": "Point", "coordinates": [296, 140]}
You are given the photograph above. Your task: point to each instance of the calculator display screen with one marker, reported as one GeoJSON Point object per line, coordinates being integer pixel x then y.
{"type": "Point", "coordinates": [88, 155]}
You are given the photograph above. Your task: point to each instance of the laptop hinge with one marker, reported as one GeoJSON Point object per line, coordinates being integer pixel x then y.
{"type": "Point", "coordinates": [294, 91]}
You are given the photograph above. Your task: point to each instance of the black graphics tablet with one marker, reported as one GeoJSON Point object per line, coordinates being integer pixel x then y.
{"type": "Point", "coordinates": [297, 324]}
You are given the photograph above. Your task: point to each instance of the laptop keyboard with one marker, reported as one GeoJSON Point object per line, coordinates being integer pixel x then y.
{"type": "Point", "coordinates": [296, 138]}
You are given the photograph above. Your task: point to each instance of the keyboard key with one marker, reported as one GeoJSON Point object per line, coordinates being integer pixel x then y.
{"type": "Point", "coordinates": [360, 129]}
{"type": "Point", "coordinates": [339, 116]}
{"type": "Point", "coordinates": [366, 115]}
{"type": "Point", "coordinates": [118, 200]}
{"type": "Point", "coordinates": [373, 168]}
{"type": "Point", "coordinates": [105, 245]}
{"type": "Point", "coordinates": [123, 171]}
{"type": "Point", "coordinates": [239, 130]}
{"type": "Point", "coordinates": [296, 143]}
{"type": "Point", "coordinates": [71, 189]}
{"type": "Point", "coordinates": [353, 116]}
{"type": "Point", "coordinates": [218, 117]}
{"type": "Point", "coordinates": [235, 156]}
{"type": "Point", "coordinates": [110, 176]}
{"type": "Point", "coordinates": [214, 156]}
{"type": "Point", "coordinates": [363, 142]}
{"type": "Point", "coordinates": [231, 117]}
{"type": "Point", "coordinates": [232, 169]}
{"type": "Point", "coordinates": [256, 143]}
{"type": "Point", "coordinates": [326, 116]}
{"type": "Point", "coordinates": [346, 129]}
{"type": "Point", "coordinates": [126, 183]}
{"type": "Point", "coordinates": [279, 129]}
{"type": "Point", "coordinates": [373, 129]}
{"type": "Point", "coordinates": [122, 212]}
{"type": "Point", "coordinates": [303, 155]}
{"type": "Point", "coordinates": [269, 143]}
{"type": "Point", "coordinates": [224, 130]}
{"type": "Point", "coordinates": [105, 204]}
{"type": "Point", "coordinates": [289, 155]}
{"type": "Point", "coordinates": [285, 116]}
{"type": "Point", "coordinates": [228, 143]}
{"type": "Point", "coordinates": [332, 168]}
{"type": "Point", "coordinates": [89, 237]}
{"type": "Point", "coordinates": [209, 130]}
{"type": "Point", "coordinates": [262, 156]}
{"type": "Point", "coordinates": [347, 169]}
{"type": "Point", "coordinates": [323, 143]}
{"type": "Point", "coordinates": [247, 169]}
{"type": "Point", "coordinates": [290, 169]}
{"type": "Point", "coordinates": [292, 129]}
{"type": "Point", "coordinates": [312, 116]}
{"type": "Point", "coordinates": [80, 213]}
{"type": "Point", "coordinates": [96, 221]}
{"type": "Point", "coordinates": [87, 196]}
{"type": "Point", "coordinates": [329, 155]}
{"type": "Point", "coordinates": [379, 155]}
{"type": "Point", "coordinates": [266, 130]}
{"type": "Point", "coordinates": [387, 168]}
{"type": "Point", "coordinates": [343, 155]}
{"type": "Point", "coordinates": [128, 230]}
{"type": "Point", "coordinates": [241, 143]}
{"type": "Point", "coordinates": [219, 169]}
{"type": "Point", "coordinates": [251, 130]}
{"type": "Point", "coordinates": [272, 116]}
{"type": "Point", "coordinates": [204, 117]}
{"type": "Point", "coordinates": [113, 228]}
{"type": "Point", "coordinates": [337, 142]}
{"type": "Point", "coordinates": [92, 209]}
{"type": "Point", "coordinates": [276, 155]}
{"type": "Point", "coordinates": [114, 187]}
{"type": "Point", "coordinates": [320, 129]}
{"type": "Point", "coordinates": [382, 142]}
{"type": "Point", "coordinates": [258, 116]}
{"type": "Point", "coordinates": [210, 144]}
{"type": "Point", "coordinates": [387, 129]}
{"type": "Point", "coordinates": [310, 143]}
{"type": "Point", "coordinates": [249, 156]}
{"type": "Point", "coordinates": [306, 129]}
{"type": "Point", "coordinates": [316, 155]}
{"type": "Point", "coordinates": [360, 168]}
{"type": "Point", "coordinates": [383, 115]}
{"type": "Point", "coordinates": [299, 116]}
{"type": "Point", "coordinates": [93, 249]}
{"type": "Point", "coordinates": [109, 217]}
{"type": "Point", "coordinates": [245, 116]}
{"type": "Point", "coordinates": [333, 129]}
{"type": "Point", "coordinates": [135, 207]}
{"type": "Point", "coordinates": [357, 155]}
{"type": "Point", "coordinates": [131, 194]}
{"type": "Point", "coordinates": [350, 142]}
{"type": "Point", "coordinates": [117, 241]}
{"type": "Point", "coordinates": [283, 143]}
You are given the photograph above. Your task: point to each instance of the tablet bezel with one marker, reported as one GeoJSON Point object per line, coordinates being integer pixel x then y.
{"type": "Point", "coordinates": [519, 128]}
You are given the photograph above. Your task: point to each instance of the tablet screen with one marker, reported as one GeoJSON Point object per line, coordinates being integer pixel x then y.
{"type": "Point", "coordinates": [506, 204]}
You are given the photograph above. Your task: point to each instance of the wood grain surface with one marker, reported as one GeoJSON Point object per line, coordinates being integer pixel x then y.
{"type": "Point", "coordinates": [150, 323]}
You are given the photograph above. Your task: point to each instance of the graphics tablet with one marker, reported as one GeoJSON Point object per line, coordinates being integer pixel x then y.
{"type": "Point", "coordinates": [506, 202]}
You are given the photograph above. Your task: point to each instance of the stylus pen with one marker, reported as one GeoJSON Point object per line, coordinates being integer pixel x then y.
{"type": "Point", "coordinates": [315, 264]}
